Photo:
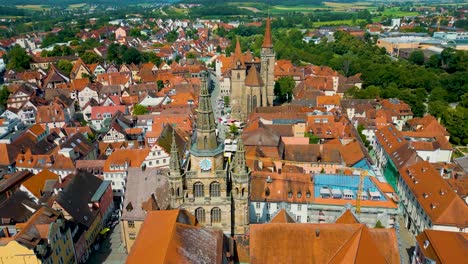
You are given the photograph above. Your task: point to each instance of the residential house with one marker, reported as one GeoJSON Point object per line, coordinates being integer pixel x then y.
{"type": "Point", "coordinates": [84, 199]}
{"type": "Point", "coordinates": [117, 165]}
{"type": "Point", "coordinates": [428, 202]}
{"type": "Point", "coordinates": [146, 190]}
{"type": "Point", "coordinates": [440, 247]}
{"type": "Point", "coordinates": [44, 238]}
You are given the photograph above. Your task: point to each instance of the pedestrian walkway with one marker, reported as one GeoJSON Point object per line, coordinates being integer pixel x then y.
{"type": "Point", "coordinates": [407, 242]}
{"type": "Point", "coordinates": [112, 250]}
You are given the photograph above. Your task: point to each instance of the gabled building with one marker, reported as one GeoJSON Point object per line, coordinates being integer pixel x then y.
{"type": "Point", "coordinates": [440, 247]}
{"type": "Point", "coordinates": [44, 238]}
{"type": "Point", "coordinates": [282, 241]}
{"type": "Point", "coordinates": [146, 191]}
{"type": "Point", "coordinates": [428, 202]}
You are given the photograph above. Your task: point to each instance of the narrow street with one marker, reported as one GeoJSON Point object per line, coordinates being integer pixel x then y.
{"type": "Point", "coordinates": [214, 102]}
{"type": "Point", "coordinates": [406, 242]}
{"type": "Point", "coordinates": [111, 251]}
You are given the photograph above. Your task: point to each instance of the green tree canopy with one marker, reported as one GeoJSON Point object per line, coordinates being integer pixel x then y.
{"type": "Point", "coordinates": [140, 110]}
{"type": "Point", "coordinates": [65, 66]}
{"type": "Point", "coordinates": [416, 57]}
{"type": "Point", "coordinates": [18, 59]}
{"type": "Point", "coordinates": [283, 89]}
{"type": "Point", "coordinates": [91, 57]}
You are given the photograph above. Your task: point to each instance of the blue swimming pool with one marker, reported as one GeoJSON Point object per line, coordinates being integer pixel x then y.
{"type": "Point", "coordinates": [345, 183]}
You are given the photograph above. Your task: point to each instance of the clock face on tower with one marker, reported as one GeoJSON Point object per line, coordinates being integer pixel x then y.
{"type": "Point", "coordinates": [205, 164]}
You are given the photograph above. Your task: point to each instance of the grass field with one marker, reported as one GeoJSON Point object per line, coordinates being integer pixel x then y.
{"type": "Point", "coordinates": [348, 22]}
{"type": "Point", "coordinates": [33, 7]}
{"type": "Point", "coordinates": [396, 12]}
{"type": "Point", "coordinates": [346, 6]}
{"type": "Point", "coordinates": [76, 6]}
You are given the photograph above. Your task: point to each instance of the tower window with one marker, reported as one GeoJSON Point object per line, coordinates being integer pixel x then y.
{"type": "Point", "coordinates": [198, 190]}
{"type": "Point", "coordinates": [214, 189]}
{"type": "Point", "coordinates": [215, 215]}
{"type": "Point", "coordinates": [200, 215]}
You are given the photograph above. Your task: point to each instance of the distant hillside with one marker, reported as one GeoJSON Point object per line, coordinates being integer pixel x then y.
{"type": "Point", "coordinates": [271, 2]}
{"type": "Point", "coordinates": [69, 2]}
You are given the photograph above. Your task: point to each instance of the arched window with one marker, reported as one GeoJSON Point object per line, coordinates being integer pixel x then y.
{"type": "Point", "coordinates": [254, 102]}
{"type": "Point", "coordinates": [178, 191]}
{"type": "Point", "coordinates": [214, 189]}
{"type": "Point", "coordinates": [215, 215]}
{"type": "Point", "coordinates": [200, 215]}
{"type": "Point", "coordinates": [198, 190]}
{"type": "Point", "coordinates": [243, 192]}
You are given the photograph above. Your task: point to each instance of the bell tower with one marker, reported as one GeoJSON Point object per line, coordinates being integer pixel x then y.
{"type": "Point", "coordinates": [174, 175]}
{"type": "Point", "coordinates": [206, 179]}
{"type": "Point", "coordinates": [240, 191]}
{"type": "Point", "coordinates": [267, 58]}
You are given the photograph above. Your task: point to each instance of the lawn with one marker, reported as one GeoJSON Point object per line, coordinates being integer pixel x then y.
{"type": "Point", "coordinates": [33, 7]}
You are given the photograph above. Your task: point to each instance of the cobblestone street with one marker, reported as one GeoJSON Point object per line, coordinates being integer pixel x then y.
{"type": "Point", "coordinates": [407, 242]}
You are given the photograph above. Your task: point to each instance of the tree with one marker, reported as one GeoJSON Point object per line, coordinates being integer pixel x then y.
{"type": "Point", "coordinates": [18, 59]}
{"type": "Point", "coordinates": [91, 57]}
{"type": "Point", "coordinates": [190, 55]}
{"type": "Point", "coordinates": [140, 110]}
{"type": "Point", "coordinates": [416, 57]}
{"type": "Point", "coordinates": [172, 36]}
{"type": "Point", "coordinates": [379, 224]}
{"type": "Point", "coordinates": [65, 66]}
{"type": "Point", "coordinates": [4, 94]}
{"type": "Point", "coordinates": [233, 129]}
{"type": "Point", "coordinates": [313, 139]}
{"type": "Point", "coordinates": [283, 89]}
{"type": "Point", "coordinates": [131, 55]}
{"type": "Point", "coordinates": [160, 84]}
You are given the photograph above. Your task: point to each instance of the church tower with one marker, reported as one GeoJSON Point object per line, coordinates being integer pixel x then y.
{"type": "Point", "coordinates": [238, 75]}
{"type": "Point", "coordinates": [267, 58]}
{"type": "Point", "coordinates": [240, 191]}
{"type": "Point", "coordinates": [174, 175]}
{"type": "Point", "coordinates": [207, 195]}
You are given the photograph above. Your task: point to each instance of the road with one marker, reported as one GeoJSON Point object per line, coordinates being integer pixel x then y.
{"type": "Point", "coordinates": [112, 250]}
{"type": "Point", "coordinates": [215, 97]}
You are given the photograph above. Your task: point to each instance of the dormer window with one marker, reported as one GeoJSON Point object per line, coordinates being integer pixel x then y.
{"type": "Point", "coordinates": [299, 195]}
{"type": "Point", "coordinates": [289, 194]}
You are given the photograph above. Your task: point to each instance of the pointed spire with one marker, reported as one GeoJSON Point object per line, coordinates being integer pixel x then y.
{"type": "Point", "coordinates": [174, 159]}
{"type": "Point", "coordinates": [206, 126]}
{"type": "Point", "coordinates": [239, 163]}
{"type": "Point", "coordinates": [267, 43]}
{"type": "Point", "coordinates": [238, 58]}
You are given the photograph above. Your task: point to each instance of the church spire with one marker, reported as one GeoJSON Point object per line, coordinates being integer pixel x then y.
{"type": "Point", "coordinates": [206, 126]}
{"type": "Point", "coordinates": [238, 58]}
{"type": "Point", "coordinates": [267, 42]}
{"type": "Point", "coordinates": [239, 164]}
{"type": "Point", "coordinates": [174, 163]}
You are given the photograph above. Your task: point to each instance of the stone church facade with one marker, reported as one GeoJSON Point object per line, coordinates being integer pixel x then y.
{"type": "Point", "coordinates": [251, 80]}
{"type": "Point", "coordinates": [205, 187]}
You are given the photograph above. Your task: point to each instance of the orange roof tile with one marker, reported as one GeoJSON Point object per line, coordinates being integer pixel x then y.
{"type": "Point", "coordinates": [322, 243]}
{"type": "Point", "coordinates": [347, 218]}
{"type": "Point", "coordinates": [441, 204]}
{"type": "Point", "coordinates": [35, 184]}
{"type": "Point", "coordinates": [134, 157]}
